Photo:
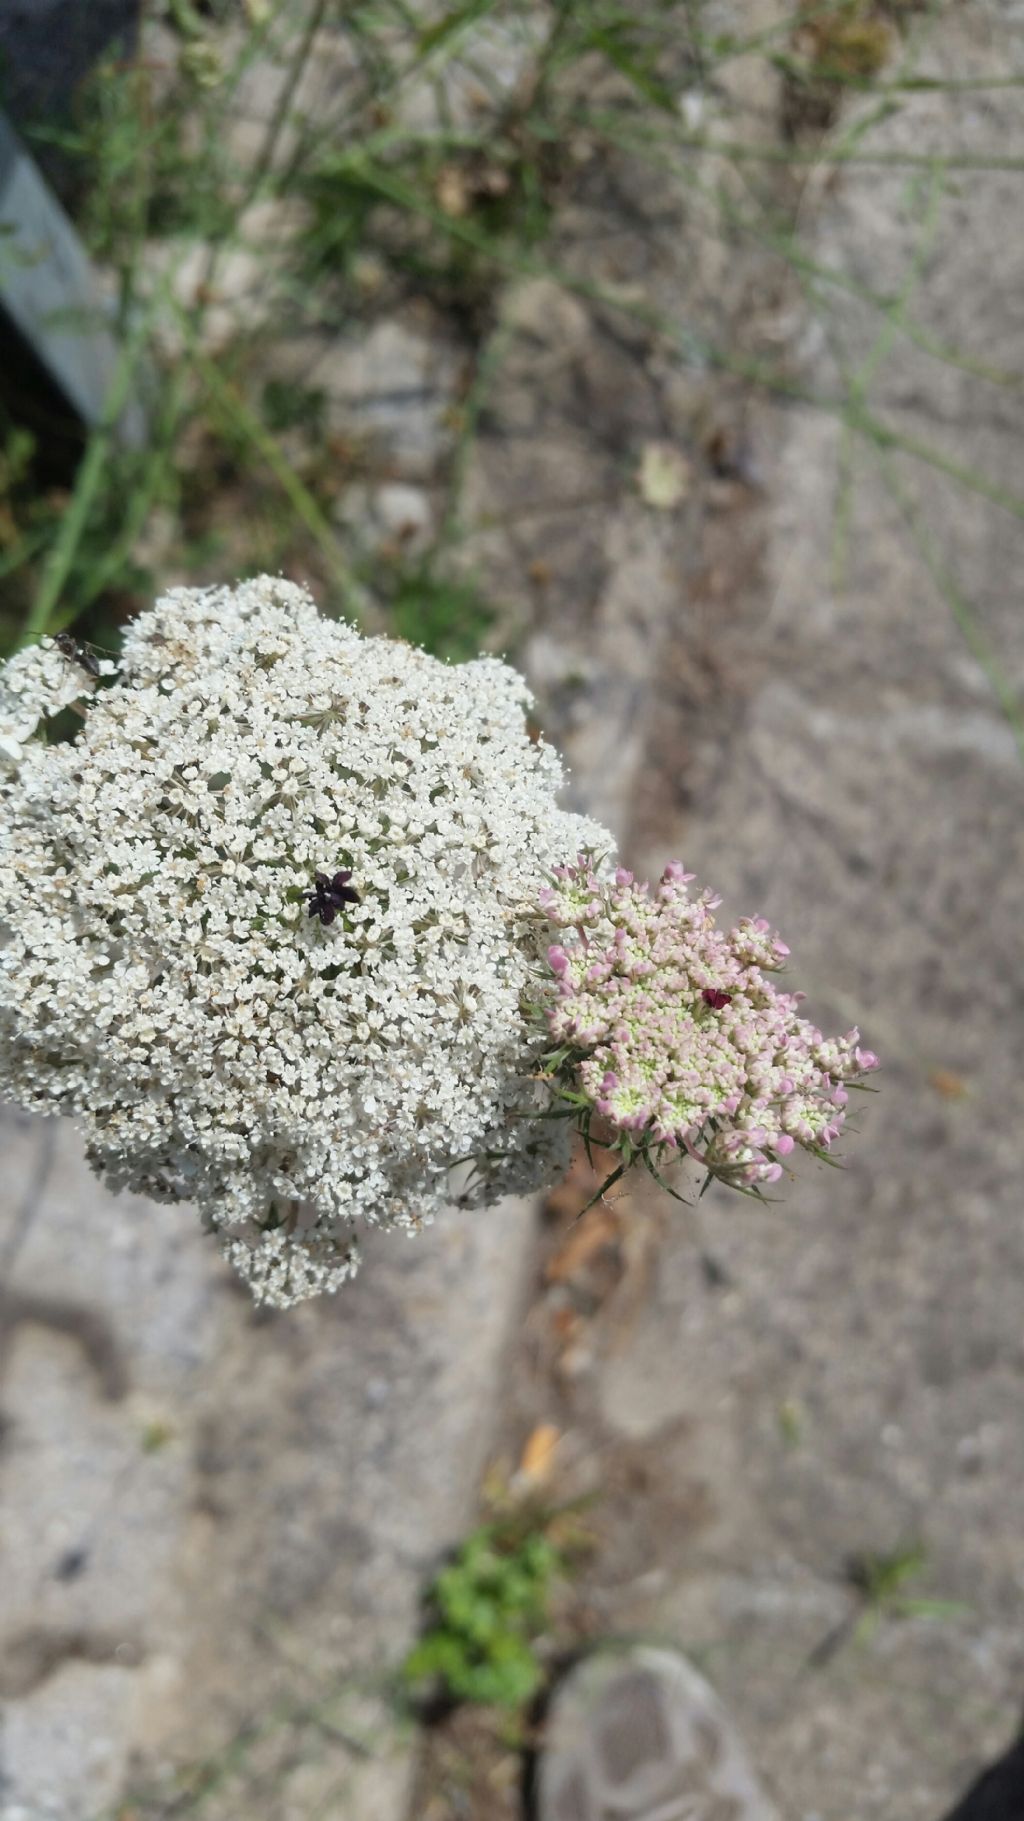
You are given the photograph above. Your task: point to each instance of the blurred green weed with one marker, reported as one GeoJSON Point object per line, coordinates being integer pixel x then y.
{"type": "Point", "coordinates": [486, 1610]}
{"type": "Point", "coordinates": [880, 1582]}
{"type": "Point", "coordinates": [449, 618]}
{"type": "Point", "coordinates": [883, 1582]}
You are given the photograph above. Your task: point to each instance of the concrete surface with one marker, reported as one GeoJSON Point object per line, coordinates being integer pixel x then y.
{"type": "Point", "coordinates": [845, 1373]}
{"type": "Point", "coordinates": [216, 1526]}
{"type": "Point", "coordinates": [194, 1499]}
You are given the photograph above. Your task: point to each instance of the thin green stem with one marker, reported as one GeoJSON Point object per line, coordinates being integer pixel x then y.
{"type": "Point", "coordinates": [487, 365]}
{"type": "Point", "coordinates": [88, 481]}
{"type": "Point", "coordinates": [767, 153]}
{"type": "Point", "coordinates": [895, 313]}
{"type": "Point", "coordinates": [143, 494]}
{"type": "Point", "coordinates": [279, 118]}
{"type": "Point", "coordinates": [238, 413]}
{"type": "Point", "coordinates": [974, 638]}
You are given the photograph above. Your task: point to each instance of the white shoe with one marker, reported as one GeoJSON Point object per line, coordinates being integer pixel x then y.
{"type": "Point", "coordinates": [635, 1734]}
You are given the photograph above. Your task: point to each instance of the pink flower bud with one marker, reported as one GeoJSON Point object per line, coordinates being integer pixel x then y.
{"type": "Point", "coordinates": [738, 1089]}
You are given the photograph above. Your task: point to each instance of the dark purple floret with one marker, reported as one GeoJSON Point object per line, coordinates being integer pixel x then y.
{"type": "Point", "coordinates": [713, 996]}
{"type": "Point", "coordinates": [330, 895]}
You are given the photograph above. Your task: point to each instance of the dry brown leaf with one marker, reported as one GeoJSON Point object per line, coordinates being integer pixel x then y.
{"type": "Point", "coordinates": [950, 1086]}
{"type": "Point", "coordinates": [565, 1325]}
{"type": "Point", "coordinates": [538, 1452]}
{"type": "Point", "coordinates": [452, 190]}
{"type": "Point", "coordinates": [664, 477]}
{"type": "Point", "coordinates": [599, 1228]}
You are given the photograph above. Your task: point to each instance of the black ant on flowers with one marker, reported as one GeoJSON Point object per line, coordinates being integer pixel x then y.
{"type": "Point", "coordinates": [77, 653]}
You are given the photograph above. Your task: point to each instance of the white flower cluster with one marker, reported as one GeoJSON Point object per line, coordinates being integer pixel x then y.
{"type": "Point", "coordinates": [167, 977]}
{"type": "Point", "coordinates": [34, 684]}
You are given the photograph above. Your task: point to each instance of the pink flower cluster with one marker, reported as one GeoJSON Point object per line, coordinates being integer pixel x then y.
{"type": "Point", "coordinates": [673, 1034]}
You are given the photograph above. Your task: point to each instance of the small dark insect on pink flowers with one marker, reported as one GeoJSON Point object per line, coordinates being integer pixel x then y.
{"type": "Point", "coordinates": [330, 896]}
